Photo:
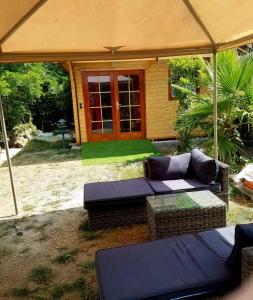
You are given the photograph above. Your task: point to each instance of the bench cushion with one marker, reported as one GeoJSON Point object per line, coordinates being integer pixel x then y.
{"type": "Point", "coordinates": [99, 194]}
{"type": "Point", "coordinates": [181, 185]}
{"type": "Point", "coordinates": [204, 167]}
{"type": "Point", "coordinates": [169, 167]}
{"type": "Point", "coordinates": [158, 167]}
{"type": "Point", "coordinates": [166, 269]}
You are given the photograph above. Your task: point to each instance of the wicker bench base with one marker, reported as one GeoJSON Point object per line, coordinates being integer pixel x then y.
{"type": "Point", "coordinates": [182, 224]}
{"type": "Point", "coordinates": [103, 218]}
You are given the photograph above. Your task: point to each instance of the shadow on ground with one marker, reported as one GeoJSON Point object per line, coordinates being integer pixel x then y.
{"type": "Point", "coordinates": [42, 152]}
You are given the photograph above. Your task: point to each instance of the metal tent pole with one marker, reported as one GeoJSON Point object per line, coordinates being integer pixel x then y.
{"type": "Point", "coordinates": [8, 155]}
{"type": "Point", "coordinates": [215, 116]}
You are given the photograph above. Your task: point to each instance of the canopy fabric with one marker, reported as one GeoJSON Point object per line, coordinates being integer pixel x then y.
{"type": "Point", "coordinates": [62, 30]}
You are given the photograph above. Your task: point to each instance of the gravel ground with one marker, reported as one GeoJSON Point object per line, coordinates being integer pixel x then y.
{"type": "Point", "coordinates": [52, 180]}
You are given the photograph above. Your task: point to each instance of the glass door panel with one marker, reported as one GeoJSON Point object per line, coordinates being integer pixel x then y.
{"type": "Point", "coordinates": [100, 106]}
{"type": "Point", "coordinates": [129, 94]}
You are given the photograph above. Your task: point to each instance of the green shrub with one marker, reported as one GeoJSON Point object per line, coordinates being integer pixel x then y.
{"type": "Point", "coordinates": [26, 129]}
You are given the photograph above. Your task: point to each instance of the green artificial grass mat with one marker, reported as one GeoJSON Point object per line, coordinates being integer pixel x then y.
{"type": "Point", "coordinates": [98, 153]}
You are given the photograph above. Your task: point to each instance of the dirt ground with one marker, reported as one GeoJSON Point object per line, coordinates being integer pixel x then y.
{"type": "Point", "coordinates": [52, 179]}
{"type": "Point", "coordinates": [44, 238]}
{"type": "Point", "coordinates": [49, 186]}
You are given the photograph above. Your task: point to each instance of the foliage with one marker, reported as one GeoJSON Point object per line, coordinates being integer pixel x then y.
{"type": "Point", "coordinates": [41, 274]}
{"type": "Point", "coordinates": [234, 102]}
{"type": "Point", "coordinates": [20, 292]}
{"type": "Point", "coordinates": [33, 91]}
{"type": "Point", "coordinates": [66, 256]}
{"type": "Point", "coordinates": [55, 102]}
{"type": "Point", "coordinates": [87, 233]}
{"type": "Point", "coordinates": [25, 129]}
{"type": "Point", "coordinates": [80, 285]}
{"type": "Point", "coordinates": [40, 145]}
{"type": "Point", "coordinates": [187, 74]}
{"type": "Point", "coordinates": [86, 267]}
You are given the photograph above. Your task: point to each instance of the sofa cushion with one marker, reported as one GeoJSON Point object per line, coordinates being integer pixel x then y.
{"type": "Point", "coordinates": [203, 167]}
{"type": "Point", "coordinates": [169, 167]}
{"type": "Point", "coordinates": [158, 167]}
{"type": "Point", "coordinates": [99, 194]}
{"type": "Point", "coordinates": [163, 269]}
{"type": "Point", "coordinates": [243, 239]}
{"type": "Point", "coordinates": [181, 185]}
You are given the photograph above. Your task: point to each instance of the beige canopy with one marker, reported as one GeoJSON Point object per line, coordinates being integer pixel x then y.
{"type": "Point", "coordinates": [64, 30]}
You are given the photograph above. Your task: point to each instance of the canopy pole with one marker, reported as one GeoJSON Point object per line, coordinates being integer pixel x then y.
{"type": "Point", "coordinates": [215, 116]}
{"type": "Point", "coordinates": [8, 155]}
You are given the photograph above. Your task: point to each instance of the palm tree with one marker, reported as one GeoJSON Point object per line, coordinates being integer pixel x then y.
{"type": "Point", "coordinates": [234, 101]}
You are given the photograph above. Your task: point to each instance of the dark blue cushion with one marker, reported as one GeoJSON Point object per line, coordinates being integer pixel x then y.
{"type": "Point", "coordinates": [169, 167]}
{"type": "Point", "coordinates": [243, 239]}
{"type": "Point", "coordinates": [158, 167]}
{"type": "Point", "coordinates": [182, 185]}
{"type": "Point", "coordinates": [171, 268]}
{"type": "Point", "coordinates": [100, 194]}
{"type": "Point", "coordinates": [204, 167]}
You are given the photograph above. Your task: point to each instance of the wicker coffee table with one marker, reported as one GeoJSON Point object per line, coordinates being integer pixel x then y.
{"type": "Point", "coordinates": [190, 212]}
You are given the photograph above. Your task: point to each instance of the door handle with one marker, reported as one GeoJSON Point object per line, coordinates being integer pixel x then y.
{"type": "Point", "coordinates": [117, 105]}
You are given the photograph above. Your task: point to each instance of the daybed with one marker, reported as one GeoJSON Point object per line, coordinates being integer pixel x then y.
{"type": "Point", "coordinates": [182, 267]}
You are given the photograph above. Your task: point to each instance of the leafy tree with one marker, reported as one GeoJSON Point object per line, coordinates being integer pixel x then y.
{"type": "Point", "coordinates": [235, 99]}
{"type": "Point", "coordinates": [30, 90]}
{"type": "Point", "coordinates": [189, 74]}
{"type": "Point", "coordinates": [55, 102]}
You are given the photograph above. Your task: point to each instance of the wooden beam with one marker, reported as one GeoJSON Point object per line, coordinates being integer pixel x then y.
{"type": "Point", "coordinates": [22, 21]}
{"type": "Point", "coordinates": [196, 16]}
{"type": "Point", "coordinates": [76, 106]}
{"type": "Point", "coordinates": [236, 43]}
{"type": "Point", "coordinates": [97, 56]}
{"type": "Point", "coordinates": [65, 66]}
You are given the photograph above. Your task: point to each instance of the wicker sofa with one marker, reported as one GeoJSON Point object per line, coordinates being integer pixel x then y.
{"type": "Point", "coordinates": [183, 267]}
{"type": "Point", "coordinates": [164, 178]}
{"type": "Point", "coordinates": [123, 202]}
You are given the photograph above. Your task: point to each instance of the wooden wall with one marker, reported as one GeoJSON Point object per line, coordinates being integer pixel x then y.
{"type": "Point", "coordinates": [160, 111]}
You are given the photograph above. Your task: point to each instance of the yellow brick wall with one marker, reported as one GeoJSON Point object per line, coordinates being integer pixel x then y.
{"type": "Point", "coordinates": [160, 112]}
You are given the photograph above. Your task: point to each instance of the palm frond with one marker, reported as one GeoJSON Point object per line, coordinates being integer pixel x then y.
{"type": "Point", "coordinates": [228, 72]}
{"type": "Point", "coordinates": [183, 89]}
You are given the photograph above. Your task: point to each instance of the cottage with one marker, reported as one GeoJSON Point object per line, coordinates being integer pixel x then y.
{"type": "Point", "coordinates": [122, 100]}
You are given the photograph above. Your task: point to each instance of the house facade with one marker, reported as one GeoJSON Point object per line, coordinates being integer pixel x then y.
{"type": "Point", "coordinates": [122, 100]}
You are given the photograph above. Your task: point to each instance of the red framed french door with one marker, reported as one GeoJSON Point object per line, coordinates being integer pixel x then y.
{"type": "Point", "coordinates": [130, 104]}
{"type": "Point", "coordinates": [99, 104]}
{"type": "Point", "coordinates": [114, 105]}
